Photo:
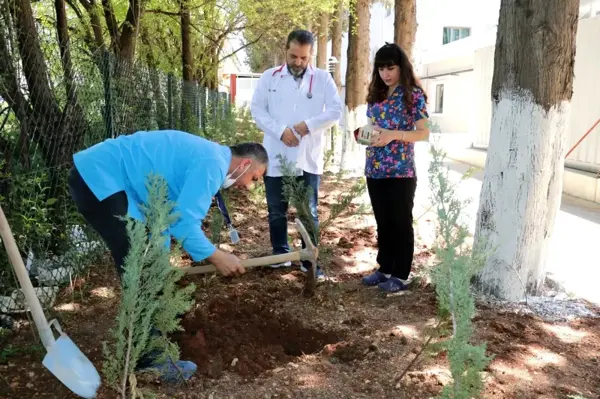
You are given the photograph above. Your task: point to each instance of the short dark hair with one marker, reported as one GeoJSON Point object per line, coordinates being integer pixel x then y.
{"type": "Point", "coordinates": [250, 150]}
{"type": "Point", "coordinates": [303, 37]}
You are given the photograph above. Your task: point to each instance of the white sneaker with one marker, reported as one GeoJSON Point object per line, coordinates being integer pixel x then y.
{"type": "Point", "coordinates": [284, 264]}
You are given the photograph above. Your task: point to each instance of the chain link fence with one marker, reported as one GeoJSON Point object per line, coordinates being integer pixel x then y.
{"type": "Point", "coordinates": [56, 99]}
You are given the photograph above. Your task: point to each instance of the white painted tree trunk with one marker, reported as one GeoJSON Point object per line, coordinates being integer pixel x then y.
{"type": "Point", "coordinates": [353, 119]}
{"type": "Point", "coordinates": [521, 193]}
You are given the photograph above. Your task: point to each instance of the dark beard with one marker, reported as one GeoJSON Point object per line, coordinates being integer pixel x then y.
{"type": "Point", "coordinates": [296, 75]}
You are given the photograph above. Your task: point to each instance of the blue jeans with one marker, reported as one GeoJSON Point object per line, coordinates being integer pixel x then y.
{"type": "Point", "coordinates": [278, 207]}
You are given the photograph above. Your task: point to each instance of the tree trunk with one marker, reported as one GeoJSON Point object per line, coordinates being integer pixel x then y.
{"type": "Point", "coordinates": [72, 127]}
{"type": "Point", "coordinates": [111, 24]}
{"type": "Point", "coordinates": [162, 114]}
{"type": "Point", "coordinates": [58, 132]}
{"type": "Point", "coordinates": [357, 73]}
{"type": "Point", "coordinates": [336, 42]}
{"type": "Point", "coordinates": [187, 58]}
{"type": "Point", "coordinates": [405, 25]}
{"type": "Point", "coordinates": [309, 26]}
{"type": "Point", "coordinates": [188, 92]}
{"type": "Point", "coordinates": [322, 40]}
{"type": "Point", "coordinates": [90, 7]}
{"type": "Point", "coordinates": [531, 92]}
{"type": "Point", "coordinates": [129, 31]}
{"type": "Point", "coordinates": [45, 115]}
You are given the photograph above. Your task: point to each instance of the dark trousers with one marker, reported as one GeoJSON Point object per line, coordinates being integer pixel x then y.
{"type": "Point", "coordinates": [392, 200]}
{"type": "Point", "coordinates": [278, 207]}
{"type": "Point", "coordinates": [103, 216]}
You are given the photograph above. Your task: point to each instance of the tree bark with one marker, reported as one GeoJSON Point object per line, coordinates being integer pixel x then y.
{"type": "Point", "coordinates": [162, 115]}
{"type": "Point", "coordinates": [44, 116]}
{"type": "Point", "coordinates": [90, 8]}
{"type": "Point", "coordinates": [62, 30]}
{"type": "Point", "coordinates": [187, 58]}
{"type": "Point", "coordinates": [336, 42]}
{"type": "Point", "coordinates": [129, 31]}
{"type": "Point", "coordinates": [111, 24]}
{"type": "Point", "coordinates": [405, 25]}
{"type": "Point", "coordinates": [532, 87]}
{"type": "Point", "coordinates": [72, 126]}
{"type": "Point", "coordinates": [357, 73]}
{"type": "Point", "coordinates": [188, 96]}
{"type": "Point", "coordinates": [322, 40]}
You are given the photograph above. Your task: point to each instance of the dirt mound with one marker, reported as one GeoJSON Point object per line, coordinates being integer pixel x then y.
{"type": "Point", "coordinates": [246, 337]}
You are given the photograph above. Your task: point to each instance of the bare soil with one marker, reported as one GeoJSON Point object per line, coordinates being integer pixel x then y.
{"type": "Point", "coordinates": [257, 336]}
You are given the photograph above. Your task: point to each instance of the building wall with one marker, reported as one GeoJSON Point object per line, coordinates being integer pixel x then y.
{"type": "Point", "coordinates": [483, 66]}
{"type": "Point", "coordinates": [585, 104]}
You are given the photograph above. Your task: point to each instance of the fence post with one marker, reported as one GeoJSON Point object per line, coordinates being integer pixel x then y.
{"type": "Point", "coordinates": [203, 109]}
{"type": "Point", "coordinates": [108, 106]}
{"type": "Point", "coordinates": [170, 100]}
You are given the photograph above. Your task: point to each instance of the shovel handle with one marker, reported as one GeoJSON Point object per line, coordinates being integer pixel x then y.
{"type": "Point", "coordinates": [33, 301]}
{"type": "Point", "coordinates": [248, 263]}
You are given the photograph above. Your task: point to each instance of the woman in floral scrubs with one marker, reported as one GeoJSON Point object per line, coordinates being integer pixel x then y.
{"type": "Point", "coordinates": [397, 109]}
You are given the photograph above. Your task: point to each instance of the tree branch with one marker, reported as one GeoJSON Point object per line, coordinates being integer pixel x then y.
{"type": "Point", "coordinates": [248, 44]}
{"type": "Point", "coordinates": [76, 9]}
{"type": "Point", "coordinates": [111, 23]}
{"type": "Point", "coordinates": [163, 12]}
{"type": "Point", "coordinates": [96, 25]}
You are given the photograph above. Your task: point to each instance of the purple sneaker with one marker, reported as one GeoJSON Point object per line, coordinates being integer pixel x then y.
{"type": "Point", "coordinates": [374, 279]}
{"type": "Point", "coordinates": [393, 284]}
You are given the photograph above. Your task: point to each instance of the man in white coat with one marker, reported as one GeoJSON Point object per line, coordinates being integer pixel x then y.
{"type": "Point", "coordinates": [294, 104]}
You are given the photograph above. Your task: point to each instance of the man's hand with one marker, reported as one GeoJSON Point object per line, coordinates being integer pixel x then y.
{"type": "Point", "coordinates": [227, 264]}
{"type": "Point", "coordinates": [301, 128]}
{"type": "Point", "coordinates": [289, 138]}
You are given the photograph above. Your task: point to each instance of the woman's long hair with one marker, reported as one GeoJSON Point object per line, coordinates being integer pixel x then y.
{"type": "Point", "coordinates": [388, 55]}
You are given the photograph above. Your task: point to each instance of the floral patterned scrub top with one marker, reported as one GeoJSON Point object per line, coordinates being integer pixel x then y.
{"type": "Point", "coordinates": [395, 160]}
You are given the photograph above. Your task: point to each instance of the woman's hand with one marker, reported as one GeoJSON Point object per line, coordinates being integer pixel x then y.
{"type": "Point", "coordinates": [381, 137]}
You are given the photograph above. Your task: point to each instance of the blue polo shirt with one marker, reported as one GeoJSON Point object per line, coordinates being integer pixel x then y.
{"type": "Point", "coordinates": [193, 167]}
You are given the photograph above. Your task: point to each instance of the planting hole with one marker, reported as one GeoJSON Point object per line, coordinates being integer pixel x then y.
{"type": "Point", "coordinates": [249, 331]}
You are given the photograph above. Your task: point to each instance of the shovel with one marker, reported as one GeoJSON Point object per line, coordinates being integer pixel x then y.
{"type": "Point", "coordinates": [63, 357]}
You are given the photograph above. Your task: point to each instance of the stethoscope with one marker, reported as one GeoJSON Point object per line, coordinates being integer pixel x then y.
{"type": "Point", "coordinates": [310, 84]}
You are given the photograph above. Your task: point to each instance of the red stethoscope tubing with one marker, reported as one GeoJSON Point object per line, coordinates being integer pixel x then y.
{"type": "Point", "coordinates": [310, 84]}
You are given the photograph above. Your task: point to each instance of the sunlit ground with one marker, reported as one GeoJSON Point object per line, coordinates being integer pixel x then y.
{"type": "Point", "coordinates": [571, 258]}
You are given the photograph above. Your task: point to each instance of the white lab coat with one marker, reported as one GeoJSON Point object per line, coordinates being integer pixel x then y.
{"type": "Point", "coordinates": [279, 102]}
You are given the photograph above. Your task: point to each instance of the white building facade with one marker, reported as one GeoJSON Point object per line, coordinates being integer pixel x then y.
{"type": "Point", "coordinates": [457, 75]}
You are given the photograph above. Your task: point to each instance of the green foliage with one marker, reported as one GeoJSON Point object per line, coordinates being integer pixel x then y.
{"type": "Point", "coordinates": [150, 295]}
{"type": "Point", "coordinates": [11, 351]}
{"type": "Point", "coordinates": [269, 35]}
{"type": "Point", "coordinates": [452, 276]}
{"type": "Point", "coordinates": [298, 195]}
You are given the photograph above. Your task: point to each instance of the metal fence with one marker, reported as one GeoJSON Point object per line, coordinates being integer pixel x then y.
{"type": "Point", "coordinates": [52, 106]}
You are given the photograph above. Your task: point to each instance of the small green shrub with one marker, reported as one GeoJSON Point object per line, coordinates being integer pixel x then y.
{"type": "Point", "coordinates": [151, 297]}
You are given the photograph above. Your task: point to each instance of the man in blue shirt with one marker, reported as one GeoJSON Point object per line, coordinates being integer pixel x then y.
{"type": "Point", "coordinates": [109, 180]}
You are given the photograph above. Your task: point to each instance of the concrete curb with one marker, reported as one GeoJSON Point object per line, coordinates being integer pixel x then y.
{"type": "Point", "coordinates": [579, 184]}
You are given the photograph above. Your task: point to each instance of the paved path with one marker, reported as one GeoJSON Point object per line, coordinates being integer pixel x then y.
{"type": "Point", "coordinates": [572, 259]}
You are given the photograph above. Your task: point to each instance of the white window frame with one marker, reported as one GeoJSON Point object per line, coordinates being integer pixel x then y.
{"type": "Point", "coordinates": [452, 29]}
{"type": "Point", "coordinates": [435, 102]}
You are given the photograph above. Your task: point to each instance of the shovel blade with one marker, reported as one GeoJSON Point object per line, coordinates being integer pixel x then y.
{"type": "Point", "coordinates": [72, 368]}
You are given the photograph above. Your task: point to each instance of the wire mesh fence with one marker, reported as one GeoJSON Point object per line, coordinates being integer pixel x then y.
{"type": "Point", "coordinates": [56, 99]}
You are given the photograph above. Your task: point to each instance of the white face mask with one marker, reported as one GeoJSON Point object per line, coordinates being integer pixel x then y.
{"type": "Point", "coordinates": [229, 180]}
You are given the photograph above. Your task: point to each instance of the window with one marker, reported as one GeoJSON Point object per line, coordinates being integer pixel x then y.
{"type": "Point", "coordinates": [439, 99]}
{"type": "Point", "coordinates": [453, 34]}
